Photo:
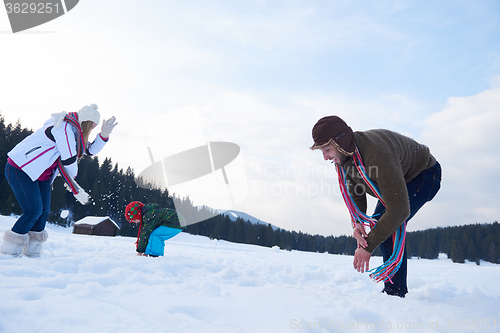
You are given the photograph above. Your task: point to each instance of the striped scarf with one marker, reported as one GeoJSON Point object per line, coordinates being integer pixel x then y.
{"type": "Point", "coordinates": [72, 119]}
{"type": "Point", "coordinates": [387, 270]}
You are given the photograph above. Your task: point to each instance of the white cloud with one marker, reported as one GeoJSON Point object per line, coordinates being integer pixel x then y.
{"type": "Point", "coordinates": [463, 138]}
{"type": "Point", "coordinates": [464, 131]}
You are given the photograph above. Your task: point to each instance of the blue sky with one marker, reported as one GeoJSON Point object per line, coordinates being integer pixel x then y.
{"type": "Point", "coordinates": [260, 74]}
{"type": "Point", "coordinates": [427, 49]}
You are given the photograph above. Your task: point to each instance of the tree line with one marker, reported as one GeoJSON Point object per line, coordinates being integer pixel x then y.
{"type": "Point", "coordinates": [469, 242]}
{"type": "Point", "coordinates": [112, 188]}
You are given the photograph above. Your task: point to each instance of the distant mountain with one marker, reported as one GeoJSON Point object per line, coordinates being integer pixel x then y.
{"type": "Point", "coordinates": [233, 215]}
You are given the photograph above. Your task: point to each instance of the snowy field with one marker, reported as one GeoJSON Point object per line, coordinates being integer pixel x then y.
{"type": "Point", "coordinates": [98, 284]}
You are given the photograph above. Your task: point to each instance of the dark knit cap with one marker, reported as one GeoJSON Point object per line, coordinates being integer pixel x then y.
{"type": "Point", "coordinates": [333, 130]}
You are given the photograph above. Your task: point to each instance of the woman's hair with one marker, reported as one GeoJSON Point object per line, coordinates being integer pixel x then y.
{"type": "Point", "coordinates": [86, 129]}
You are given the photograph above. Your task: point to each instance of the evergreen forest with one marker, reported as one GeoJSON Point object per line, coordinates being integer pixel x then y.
{"type": "Point", "coordinates": [112, 188]}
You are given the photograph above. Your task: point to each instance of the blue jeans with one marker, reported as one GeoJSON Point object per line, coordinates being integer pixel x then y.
{"type": "Point", "coordinates": [33, 197]}
{"type": "Point", "coordinates": [421, 189]}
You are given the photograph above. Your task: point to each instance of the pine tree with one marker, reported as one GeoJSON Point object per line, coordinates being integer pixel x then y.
{"type": "Point", "coordinates": [432, 249]}
{"type": "Point", "coordinates": [303, 242]}
{"type": "Point", "coordinates": [239, 231]}
{"type": "Point", "coordinates": [279, 239]}
{"type": "Point", "coordinates": [472, 252]}
{"type": "Point", "coordinates": [457, 252]}
{"type": "Point", "coordinates": [260, 231]}
{"type": "Point", "coordinates": [287, 238]}
{"type": "Point", "coordinates": [221, 230]}
{"type": "Point", "coordinates": [350, 246]}
{"type": "Point", "coordinates": [251, 235]}
{"type": "Point", "coordinates": [339, 245]}
{"type": "Point", "coordinates": [422, 246]}
{"type": "Point", "coordinates": [322, 248]}
{"type": "Point", "coordinates": [492, 255]}
{"type": "Point", "coordinates": [269, 237]}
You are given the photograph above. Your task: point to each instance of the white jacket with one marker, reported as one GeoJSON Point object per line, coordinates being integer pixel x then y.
{"type": "Point", "coordinates": [37, 152]}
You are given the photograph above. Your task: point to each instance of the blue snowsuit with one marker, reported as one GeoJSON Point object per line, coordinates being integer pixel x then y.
{"type": "Point", "coordinates": [158, 225]}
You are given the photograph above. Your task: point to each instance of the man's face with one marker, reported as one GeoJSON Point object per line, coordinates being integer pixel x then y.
{"type": "Point", "coordinates": [330, 153]}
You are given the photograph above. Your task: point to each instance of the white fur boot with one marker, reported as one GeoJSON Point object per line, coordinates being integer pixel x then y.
{"type": "Point", "coordinates": [14, 243]}
{"type": "Point", "coordinates": [36, 240]}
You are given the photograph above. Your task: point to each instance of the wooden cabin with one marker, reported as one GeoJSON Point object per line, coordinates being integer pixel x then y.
{"type": "Point", "coordinates": [96, 226]}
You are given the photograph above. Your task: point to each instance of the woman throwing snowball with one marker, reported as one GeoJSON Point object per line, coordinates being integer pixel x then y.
{"type": "Point", "coordinates": [33, 165]}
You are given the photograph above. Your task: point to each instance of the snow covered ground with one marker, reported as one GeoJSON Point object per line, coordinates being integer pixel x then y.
{"type": "Point", "coordinates": [98, 284]}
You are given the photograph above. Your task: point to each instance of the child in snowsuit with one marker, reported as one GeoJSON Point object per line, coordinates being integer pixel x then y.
{"type": "Point", "coordinates": [156, 226]}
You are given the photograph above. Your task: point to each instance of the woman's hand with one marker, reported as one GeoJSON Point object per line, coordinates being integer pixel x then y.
{"type": "Point", "coordinates": [107, 127]}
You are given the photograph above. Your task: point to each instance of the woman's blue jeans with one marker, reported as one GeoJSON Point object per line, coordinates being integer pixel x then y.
{"type": "Point", "coordinates": [421, 189]}
{"type": "Point", "coordinates": [33, 197]}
